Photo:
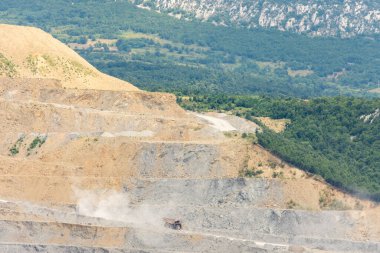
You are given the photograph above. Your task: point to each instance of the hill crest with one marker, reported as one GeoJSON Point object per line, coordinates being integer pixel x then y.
{"type": "Point", "coordinates": [28, 52]}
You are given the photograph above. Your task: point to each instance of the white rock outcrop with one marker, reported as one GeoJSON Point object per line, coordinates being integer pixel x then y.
{"type": "Point", "coordinates": [345, 18]}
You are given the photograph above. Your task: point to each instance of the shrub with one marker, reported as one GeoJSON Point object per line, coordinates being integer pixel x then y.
{"type": "Point", "coordinates": [251, 173]}
{"type": "Point", "coordinates": [38, 141]}
{"type": "Point", "coordinates": [15, 149]}
{"type": "Point", "coordinates": [291, 204]}
{"type": "Point", "coordinates": [278, 174]}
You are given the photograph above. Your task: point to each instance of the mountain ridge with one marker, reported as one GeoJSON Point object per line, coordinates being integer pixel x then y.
{"type": "Point", "coordinates": [346, 18]}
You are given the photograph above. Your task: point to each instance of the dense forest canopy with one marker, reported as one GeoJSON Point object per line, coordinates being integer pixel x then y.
{"type": "Point", "coordinates": [204, 57]}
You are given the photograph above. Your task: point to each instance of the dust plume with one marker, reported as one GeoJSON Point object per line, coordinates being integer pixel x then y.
{"type": "Point", "coordinates": [116, 206]}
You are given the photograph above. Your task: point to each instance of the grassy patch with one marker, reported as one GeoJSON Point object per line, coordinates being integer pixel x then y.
{"type": "Point", "coordinates": [7, 67]}
{"type": "Point", "coordinates": [250, 136]}
{"type": "Point", "coordinates": [32, 64]}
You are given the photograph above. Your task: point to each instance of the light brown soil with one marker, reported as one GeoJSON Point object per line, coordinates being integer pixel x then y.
{"type": "Point", "coordinates": [375, 90]}
{"type": "Point", "coordinates": [90, 43]}
{"type": "Point", "coordinates": [302, 73]}
{"type": "Point", "coordinates": [37, 54]}
{"type": "Point", "coordinates": [277, 125]}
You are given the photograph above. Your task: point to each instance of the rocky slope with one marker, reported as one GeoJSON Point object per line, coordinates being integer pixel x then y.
{"type": "Point", "coordinates": [315, 17]}
{"type": "Point", "coordinates": [97, 168]}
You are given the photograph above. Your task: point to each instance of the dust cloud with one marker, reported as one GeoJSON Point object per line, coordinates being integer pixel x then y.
{"type": "Point", "coordinates": [116, 206]}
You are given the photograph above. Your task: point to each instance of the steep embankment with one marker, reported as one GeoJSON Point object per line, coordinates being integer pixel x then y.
{"type": "Point", "coordinates": [97, 169]}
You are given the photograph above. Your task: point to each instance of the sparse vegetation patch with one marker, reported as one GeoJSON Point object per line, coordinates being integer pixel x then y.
{"type": "Point", "coordinates": [277, 174]}
{"type": "Point", "coordinates": [36, 143]}
{"type": "Point", "coordinates": [15, 149]}
{"type": "Point", "coordinates": [7, 67]}
{"type": "Point", "coordinates": [251, 172]}
{"type": "Point", "coordinates": [291, 204]}
{"type": "Point", "coordinates": [32, 64]}
{"type": "Point", "coordinates": [328, 201]}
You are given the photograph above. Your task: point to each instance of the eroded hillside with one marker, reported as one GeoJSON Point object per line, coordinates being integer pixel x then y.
{"type": "Point", "coordinates": [94, 165]}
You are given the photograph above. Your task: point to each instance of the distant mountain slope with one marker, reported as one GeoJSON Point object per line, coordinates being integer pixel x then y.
{"type": "Point", "coordinates": [161, 53]}
{"type": "Point", "coordinates": [343, 18]}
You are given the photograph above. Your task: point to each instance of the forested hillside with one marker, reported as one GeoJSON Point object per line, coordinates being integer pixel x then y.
{"type": "Point", "coordinates": [330, 136]}
{"type": "Point", "coordinates": [158, 52]}
{"type": "Point", "coordinates": [337, 138]}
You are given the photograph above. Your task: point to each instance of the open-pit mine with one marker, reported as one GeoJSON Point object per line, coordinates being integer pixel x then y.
{"type": "Point", "coordinates": [90, 163]}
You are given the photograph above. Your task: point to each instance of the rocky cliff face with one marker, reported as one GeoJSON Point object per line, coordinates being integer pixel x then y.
{"type": "Point", "coordinates": [345, 18]}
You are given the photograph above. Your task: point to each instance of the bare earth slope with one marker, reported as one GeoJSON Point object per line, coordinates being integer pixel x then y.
{"type": "Point", "coordinates": [91, 164]}
{"type": "Point", "coordinates": [30, 52]}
